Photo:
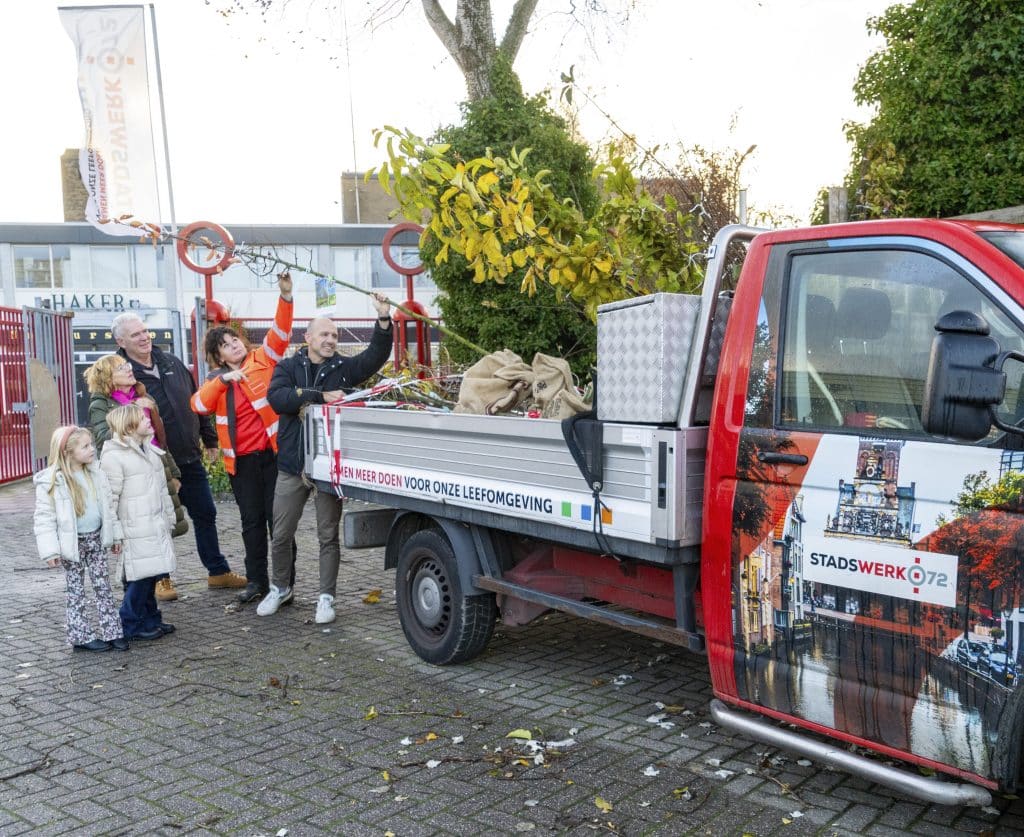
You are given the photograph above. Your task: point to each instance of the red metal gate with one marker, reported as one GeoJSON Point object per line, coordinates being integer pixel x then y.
{"type": "Point", "coordinates": [35, 343]}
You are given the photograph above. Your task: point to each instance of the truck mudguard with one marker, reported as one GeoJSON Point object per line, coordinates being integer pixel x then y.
{"type": "Point", "coordinates": [459, 535]}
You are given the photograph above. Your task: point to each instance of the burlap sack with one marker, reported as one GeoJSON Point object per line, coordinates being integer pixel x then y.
{"type": "Point", "coordinates": [494, 384]}
{"type": "Point", "coordinates": [554, 393]}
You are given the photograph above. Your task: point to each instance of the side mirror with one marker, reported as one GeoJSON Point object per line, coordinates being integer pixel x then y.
{"type": "Point", "coordinates": [965, 379]}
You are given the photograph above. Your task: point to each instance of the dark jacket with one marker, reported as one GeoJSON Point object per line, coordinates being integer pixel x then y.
{"type": "Point", "coordinates": [293, 386]}
{"type": "Point", "coordinates": [172, 391]}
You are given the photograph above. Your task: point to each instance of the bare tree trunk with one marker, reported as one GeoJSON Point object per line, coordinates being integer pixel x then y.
{"type": "Point", "coordinates": [470, 38]}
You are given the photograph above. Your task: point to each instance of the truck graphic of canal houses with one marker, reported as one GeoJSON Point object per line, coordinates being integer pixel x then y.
{"type": "Point", "coordinates": [874, 505]}
{"type": "Point", "coordinates": [771, 579]}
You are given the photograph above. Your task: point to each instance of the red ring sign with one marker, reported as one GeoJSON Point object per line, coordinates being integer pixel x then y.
{"type": "Point", "coordinates": [405, 226]}
{"type": "Point", "coordinates": [185, 242]}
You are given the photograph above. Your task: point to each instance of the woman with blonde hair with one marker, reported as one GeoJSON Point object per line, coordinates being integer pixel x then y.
{"type": "Point", "coordinates": [146, 517]}
{"type": "Point", "coordinates": [112, 382]}
{"type": "Point", "coordinates": [74, 526]}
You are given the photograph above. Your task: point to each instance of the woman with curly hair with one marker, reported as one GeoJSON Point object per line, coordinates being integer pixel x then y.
{"type": "Point", "coordinates": [112, 384]}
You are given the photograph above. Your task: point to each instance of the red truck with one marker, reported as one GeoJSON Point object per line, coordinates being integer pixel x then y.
{"type": "Point", "coordinates": [812, 473]}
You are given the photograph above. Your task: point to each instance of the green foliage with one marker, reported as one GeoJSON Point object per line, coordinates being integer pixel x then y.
{"type": "Point", "coordinates": [949, 88]}
{"type": "Point", "coordinates": [504, 222]}
{"type": "Point", "coordinates": [220, 483]}
{"type": "Point", "coordinates": [979, 492]}
{"type": "Point", "coordinates": [497, 316]}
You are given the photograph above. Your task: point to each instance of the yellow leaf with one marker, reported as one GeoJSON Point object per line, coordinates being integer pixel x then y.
{"type": "Point", "coordinates": [373, 597]}
{"type": "Point", "coordinates": [296, 703]}
{"type": "Point", "coordinates": [385, 775]}
{"type": "Point", "coordinates": [486, 181]}
{"type": "Point", "coordinates": [787, 821]}
{"type": "Point", "coordinates": [519, 258]}
{"type": "Point", "coordinates": [430, 736]}
{"type": "Point", "coordinates": [523, 762]}
{"type": "Point", "coordinates": [520, 733]}
{"type": "Point", "coordinates": [371, 713]}
{"type": "Point", "coordinates": [603, 804]}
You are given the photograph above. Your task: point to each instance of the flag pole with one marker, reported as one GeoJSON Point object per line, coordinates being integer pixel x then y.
{"type": "Point", "coordinates": [175, 265]}
{"type": "Point", "coordinates": [163, 117]}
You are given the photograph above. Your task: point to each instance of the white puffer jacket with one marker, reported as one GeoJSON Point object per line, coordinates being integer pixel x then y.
{"type": "Point", "coordinates": [143, 506]}
{"type": "Point", "coordinates": [55, 522]}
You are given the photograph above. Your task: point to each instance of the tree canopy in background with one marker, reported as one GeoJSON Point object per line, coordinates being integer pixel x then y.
{"type": "Point", "coordinates": [498, 315]}
{"type": "Point", "coordinates": [949, 88]}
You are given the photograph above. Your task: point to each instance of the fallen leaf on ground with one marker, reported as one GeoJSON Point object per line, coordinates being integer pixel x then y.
{"type": "Point", "coordinates": [373, 597]}
{"type": "Point", "coordinates": [520, 733]}
{"type": "Point", "coordinates": [603, 804]}
{"type": "Point", "coordinates": [371, 713]}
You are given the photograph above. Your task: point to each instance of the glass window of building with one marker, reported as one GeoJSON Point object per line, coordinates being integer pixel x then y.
{"type": "Point", "coordinates": [352, 265]}
{"type": "Point", "coordinates": [111, 267]}
{"type": "Point", "coordinates": [32, 266]}
{"type": "Point", "coordinates": [146, 267]}
{"type": "Point", "coordinates": [384, 278]}
{"type": "Point", "coordinates": [63, 273]}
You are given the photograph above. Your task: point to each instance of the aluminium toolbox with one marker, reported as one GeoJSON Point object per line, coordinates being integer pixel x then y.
{"type": "Point", "coordinates": [643, 353]}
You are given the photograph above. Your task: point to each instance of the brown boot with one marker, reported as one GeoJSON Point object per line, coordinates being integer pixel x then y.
{"type": "Point", "coordinates": [165, 591]}
{"type": "Point", "coordinates": [229, 580]}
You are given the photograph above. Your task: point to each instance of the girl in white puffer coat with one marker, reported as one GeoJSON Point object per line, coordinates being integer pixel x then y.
{"type": "Point", "coordinates": [75, 526]}
{"type": "Point", "coordinates": [146, 517]}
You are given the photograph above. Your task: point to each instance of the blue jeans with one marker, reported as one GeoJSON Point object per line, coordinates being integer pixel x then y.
{"type": "Point", "coordinates": [197, 498]}
{"type": "Point", "coordinates": [138, 610]}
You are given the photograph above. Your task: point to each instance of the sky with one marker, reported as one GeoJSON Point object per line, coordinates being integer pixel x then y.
{"type": "Point", "coordinates": [264, 116]}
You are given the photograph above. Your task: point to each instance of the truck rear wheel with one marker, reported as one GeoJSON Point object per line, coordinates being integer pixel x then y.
{"type": "Point", "coordinates": [442, 624]}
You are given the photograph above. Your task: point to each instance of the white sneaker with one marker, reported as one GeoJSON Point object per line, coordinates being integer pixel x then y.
{"type": "Point", "coordinates": [325, 609]}
{"type": "Point", "coordinates": [273, 600]}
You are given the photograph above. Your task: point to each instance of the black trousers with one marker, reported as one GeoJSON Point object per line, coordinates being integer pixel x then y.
{"type": "Point", "coordinates": [253, 486]}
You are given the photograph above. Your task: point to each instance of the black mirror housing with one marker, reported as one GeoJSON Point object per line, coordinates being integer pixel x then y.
{"type": "Point", "coordinates": [962, 387]}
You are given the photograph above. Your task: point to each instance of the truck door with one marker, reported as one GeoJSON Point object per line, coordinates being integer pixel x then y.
{"type": "Point", "coordinates": [876, 570]}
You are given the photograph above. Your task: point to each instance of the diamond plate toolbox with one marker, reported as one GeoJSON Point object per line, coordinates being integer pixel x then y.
{"type": "Point", "coordinates": [643, 350]}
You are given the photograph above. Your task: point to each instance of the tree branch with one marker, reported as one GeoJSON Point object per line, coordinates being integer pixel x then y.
{"type": "Point", "coordinates": [517, 25]}
{"type": "Point", "coordinates": [443, 28]}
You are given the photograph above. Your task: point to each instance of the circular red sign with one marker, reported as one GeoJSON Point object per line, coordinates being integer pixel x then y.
{"type": "Point", "coordinates": [405, 226]}
{"type": "Point", "coordinates": [185, 241]}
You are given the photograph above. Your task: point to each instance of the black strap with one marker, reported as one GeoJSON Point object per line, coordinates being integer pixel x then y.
{"type": "Point", "coordinates": [584, 436]}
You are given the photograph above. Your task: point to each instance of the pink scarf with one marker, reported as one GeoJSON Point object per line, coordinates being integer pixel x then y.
{"type": "Point", "coordinates": [122, 397]}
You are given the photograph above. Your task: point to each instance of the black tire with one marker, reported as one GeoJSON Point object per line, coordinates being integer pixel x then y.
{"type": "Point", "coordinates": [443, 626]}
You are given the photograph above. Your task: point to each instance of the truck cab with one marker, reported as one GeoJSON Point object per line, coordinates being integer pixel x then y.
{"type": "Point", "coordinates": [857, 564]}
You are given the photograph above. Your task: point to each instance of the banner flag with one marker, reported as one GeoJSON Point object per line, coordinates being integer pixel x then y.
{"type": "Point", "coordinates": [117, 159]}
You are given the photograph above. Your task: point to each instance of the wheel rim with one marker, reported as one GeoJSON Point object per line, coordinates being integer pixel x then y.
{"type": "Point", "coordinates": [431, 599]}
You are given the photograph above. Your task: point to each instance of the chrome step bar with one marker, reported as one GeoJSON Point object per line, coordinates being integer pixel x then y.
{"type": "Point", "coordinates": [833, 754]}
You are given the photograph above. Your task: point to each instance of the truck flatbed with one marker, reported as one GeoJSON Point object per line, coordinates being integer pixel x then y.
{"type": "Point", "coordinates": [518, 474]}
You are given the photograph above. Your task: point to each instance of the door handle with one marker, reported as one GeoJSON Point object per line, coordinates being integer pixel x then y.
{"type": "Point", "coordinates": [774, 457]}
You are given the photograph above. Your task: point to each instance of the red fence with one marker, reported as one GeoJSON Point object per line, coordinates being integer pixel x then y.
{"type": "Point", "coordinates": [32, 337]}
{"type": "Point", "coordinates": [15, 432]}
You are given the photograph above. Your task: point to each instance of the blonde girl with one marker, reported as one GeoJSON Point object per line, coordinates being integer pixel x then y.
{"type": "Point", "coordinates": [75, 525]}
{"type": "Point", "coordinates": [146, 516]}
{"type": "Point", "coordinates": [111, 382]}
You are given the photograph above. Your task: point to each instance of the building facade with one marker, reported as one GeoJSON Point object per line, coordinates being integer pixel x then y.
{"type": "Point", "coordinates": [73, 266]}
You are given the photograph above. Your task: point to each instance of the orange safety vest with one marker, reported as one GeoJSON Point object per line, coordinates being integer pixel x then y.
{"type": "Point", "coordinates": [213, 396]}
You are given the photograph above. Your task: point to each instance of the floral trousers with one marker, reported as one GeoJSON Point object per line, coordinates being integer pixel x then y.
{"type": "Point", "coordinates": [92, 560]}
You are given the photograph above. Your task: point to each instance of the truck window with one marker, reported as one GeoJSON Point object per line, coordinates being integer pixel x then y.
{"type": "Point", "coordinates": [858, 332]}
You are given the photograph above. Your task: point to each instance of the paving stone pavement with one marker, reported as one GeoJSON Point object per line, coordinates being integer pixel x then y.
{"type": "Point", "coordinates": [253, 726]}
